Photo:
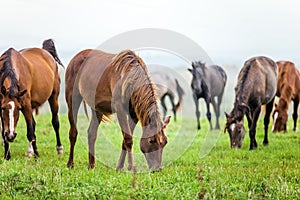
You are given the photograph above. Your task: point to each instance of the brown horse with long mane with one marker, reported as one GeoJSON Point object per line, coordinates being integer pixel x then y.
{"type": "Point", "coordinates": [288, 89]}
{"type": "Point", "coordinates": [256, 86]}
{"type": "Point", "coordinates": [115, 83]}
{"type": "Point", "coordinates": [28, 78]}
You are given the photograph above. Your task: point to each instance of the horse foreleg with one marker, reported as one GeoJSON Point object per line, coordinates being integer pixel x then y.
{"type": "Point", "coordinates": [197, 111]}
{"type": "Point", "coordinates": [208, 113]}
{"type": "Point", "coordinates": [6, 150]}
{"type": "Point", "coordinates": [127, 141]}
{"type": "Point", "coordinates": [252, 131]}
{"type": "Point", "coordinates": [53, 101]}
{"type": "Point", "coordinates": [30, 123]}
{"type": "Point", "coordinates": [92, 136]}
{"type": "Point", "coordinates": [216, 109]}
{"type": "Point", "coordinates": [269, 108]}
{"type": "Point", "coordinates": [295, 114]}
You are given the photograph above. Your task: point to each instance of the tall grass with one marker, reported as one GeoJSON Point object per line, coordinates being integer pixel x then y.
{"type": "Point", "coordinates": [270, 172]}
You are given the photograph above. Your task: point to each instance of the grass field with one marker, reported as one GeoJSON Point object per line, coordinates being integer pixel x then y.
{"type": "Point", "coordinates": [271, 172]}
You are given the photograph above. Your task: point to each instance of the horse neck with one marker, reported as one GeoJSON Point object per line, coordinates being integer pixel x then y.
{"type": "Point", "coordinates": [283, 104]}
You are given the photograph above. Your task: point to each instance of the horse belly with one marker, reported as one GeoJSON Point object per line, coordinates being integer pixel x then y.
{"type": "Point", "coordinates": [41, 92]}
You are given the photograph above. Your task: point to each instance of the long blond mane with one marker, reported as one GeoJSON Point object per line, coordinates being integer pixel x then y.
{"type": "Point", "coordinates": [138, 87]}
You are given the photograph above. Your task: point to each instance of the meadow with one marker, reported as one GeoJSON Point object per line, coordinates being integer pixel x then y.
{"type": "Point", "coordinates": [194, 172]}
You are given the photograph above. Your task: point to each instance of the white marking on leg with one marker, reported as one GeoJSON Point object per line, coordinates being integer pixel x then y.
{"type": "Point", "coordinates": [11, 119]}
{"type": "Point", "coordinates": [275, 118]}
{"type": "Point", "coordinates": [30, 152]}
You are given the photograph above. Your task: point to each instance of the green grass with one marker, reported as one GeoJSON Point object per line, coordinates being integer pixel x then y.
{"type": "Point", "coordinates": [271, 172]}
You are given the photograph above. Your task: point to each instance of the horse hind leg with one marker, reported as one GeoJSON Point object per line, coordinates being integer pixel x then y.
{"type": "Point", "coordinates": [73, 102]}
{"type": "Point", "coordinates": [216, 109]}
{"type": "Point", "coordinates": [92, 136]}
{"type": "Point", "coordinates": [53, 101]}
{"type": "Point", "coordinates": [295, 113]}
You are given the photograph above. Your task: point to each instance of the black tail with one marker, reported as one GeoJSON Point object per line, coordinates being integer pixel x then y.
{"type": "Point", "coordinates": [48, 45]}
{"type": "Point", "coordinates": [180, 93]}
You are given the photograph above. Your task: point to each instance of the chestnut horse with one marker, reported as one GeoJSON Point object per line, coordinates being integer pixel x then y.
{"type": "Point", "coordinates": [288, 89]}
{"type": "Point", "coordinates": [208, 83]}
{"type": "Point", "coordinates": [166, 86]}
{"type": "Point", "coordinates": [256, 86]}
{"type": "Point", "coordinates": [28, 78]}
{"type": "Point", "coordinates": [115, 83]}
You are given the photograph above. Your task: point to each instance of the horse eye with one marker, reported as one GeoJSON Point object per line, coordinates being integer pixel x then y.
{"type": "Point", "coordinates": [3, 108]}
{"type": "Point", "coordinates": [151, 141]}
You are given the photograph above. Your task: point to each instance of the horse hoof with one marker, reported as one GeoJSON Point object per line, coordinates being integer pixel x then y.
{"type": "Point", "coordinates": [29, 154]}
{"type": "Point", "coordinates": [92, 166]}
{"type": "Point", "coordinates": [265, 143]}
{"type": "Point", "coordinates": [133, 168]}
{"type": "Point", "coordinates": [60, 150]}
{"type": "Point", "coordinates": [70, 165]}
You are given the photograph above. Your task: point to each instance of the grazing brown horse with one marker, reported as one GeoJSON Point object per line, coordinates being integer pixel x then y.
{"type": "Point", "coordinates": [208, 83]}
{"type": "Point", "coordinates": [256, 86]}
{"type": "Point", "coordinates": [115, 83]}
{"type": "Point", "coordinates": [288, 89]}
{"type": "Point", "coordinates": [28, 78]}
{"type": "Point", "coordinates": [166, 86]}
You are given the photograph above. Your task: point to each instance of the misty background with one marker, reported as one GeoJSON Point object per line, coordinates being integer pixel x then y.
{"type": "Point", "coordinates": [230, 32]}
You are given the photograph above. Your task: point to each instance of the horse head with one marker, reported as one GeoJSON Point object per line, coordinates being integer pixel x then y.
{"type": "Point", "coordinates": [235, 127]}
{"type": "Point", "coordinates": [10, 111]}
{"type": "Point", "coordinates": [280, 118]}
{"type": "Point", "coordinates": [198, 75]}
{"type": "Point", "coordinates": [152, 143]}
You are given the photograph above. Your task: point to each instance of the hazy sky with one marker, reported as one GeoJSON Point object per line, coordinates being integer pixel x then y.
{"type": "Point", "coordinates": [230, 31]}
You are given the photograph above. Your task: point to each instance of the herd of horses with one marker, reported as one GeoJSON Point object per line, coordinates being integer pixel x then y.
{"type": "Point", "coordinates": [120, 83]}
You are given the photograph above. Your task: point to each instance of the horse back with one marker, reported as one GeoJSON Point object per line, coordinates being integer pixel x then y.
{"type": "Point", "coordinates": [39, 74]}
{"type": "Point", "coordinates": [91, 70]}
{"type": "Point", "coordinates": [257, 80]}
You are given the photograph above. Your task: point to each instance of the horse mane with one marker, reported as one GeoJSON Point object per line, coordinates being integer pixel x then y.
{"type": "Point", "coordinates": [241, 85]}
{"type": "Point", "coordinates": [137, 87]}
{"type": "Point", "coordinates": [199, 64]}
{"type": "Point", "coordinates": [7, 72]}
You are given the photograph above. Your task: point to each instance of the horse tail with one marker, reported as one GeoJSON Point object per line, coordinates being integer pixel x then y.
{"type": "Point", "coordinates": [49, 46]}
{"type": "Point", "coordinates": [180, 93]}
{"type": "Point", "coordinates": [223, 74]}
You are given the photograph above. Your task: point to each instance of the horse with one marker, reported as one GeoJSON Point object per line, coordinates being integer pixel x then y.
{"type": "Point", "coordinates": [166, 86]}
{"type": "Point", "coordinates": [288, 89]}
{"type": "Point", "coordinates": [115, 83]}
{"type": "Point", "coordinates": [208, 83]}
{"type": "Point", "coordinates": [256, 86]}
{"type": "Point", "coordinates": [28, 78]}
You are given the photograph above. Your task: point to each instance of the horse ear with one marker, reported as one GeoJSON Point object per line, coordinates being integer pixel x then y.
{"type": "Point", "coordinates": [167, 120]}
{"type": "Point", "coordinates": [3, 90]}
{"type": "Point", "coordinates": [22, 93]}
{"type": "Point", "coordinates": [227, 115]}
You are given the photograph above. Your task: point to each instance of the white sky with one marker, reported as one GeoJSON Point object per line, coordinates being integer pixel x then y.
{"type": "Point", "coordinates": [230, 31]}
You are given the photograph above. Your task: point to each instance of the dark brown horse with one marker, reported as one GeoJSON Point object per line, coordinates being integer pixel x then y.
{"type": "Point", "coordinates": [28, 78]}
{"type": "Point", "coordinates": [115, 83]}
{"type": "Point", "coordinates": [256, 86]}
{"type": "Point", "coordinates": [167, 86]}
{"type": "Point", "coordinates": [288, 89]}
{"type": "Point", "coordinates": [208, 83]}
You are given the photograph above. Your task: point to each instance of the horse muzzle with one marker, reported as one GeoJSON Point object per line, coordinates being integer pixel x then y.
{"type": "Point", "coordinates": [10, 137]}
